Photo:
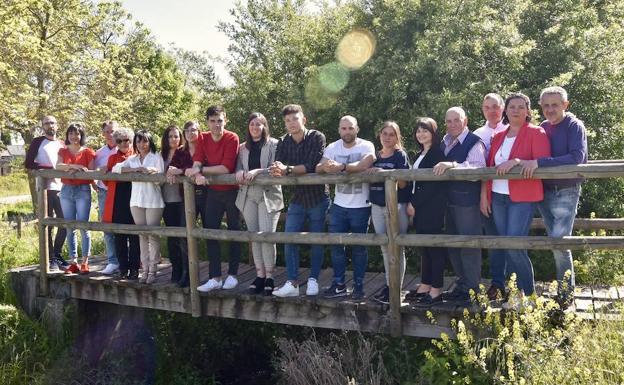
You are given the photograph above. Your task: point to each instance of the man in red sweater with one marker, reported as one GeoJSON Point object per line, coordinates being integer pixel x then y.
{"type": "Point", "coordinates": [216, 154]}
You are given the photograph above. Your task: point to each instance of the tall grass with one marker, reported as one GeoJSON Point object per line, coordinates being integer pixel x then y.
{"type": "Point", "coordinates": [15, 183]}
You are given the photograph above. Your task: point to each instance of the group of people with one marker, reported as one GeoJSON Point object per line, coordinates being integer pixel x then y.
{"type": "Point", "coordinates": [497, 207]}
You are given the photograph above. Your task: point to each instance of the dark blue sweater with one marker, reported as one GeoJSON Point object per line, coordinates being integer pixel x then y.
{"type": "Point", "coordinates": [568, 145]}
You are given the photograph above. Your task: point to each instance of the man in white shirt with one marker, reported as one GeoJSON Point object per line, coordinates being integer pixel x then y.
{"type": "Point", "coordinates": [492, 108]}
{"type": "Point", "coordinates": [101, 159]}
{"type": "Point", "coordinates": [43, 154]}
{"type": "Point", "coordinates": [350, 210]}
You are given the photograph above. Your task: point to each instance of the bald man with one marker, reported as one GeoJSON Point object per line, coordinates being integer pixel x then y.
{"type": "Point", "coordinates": [463, 149]}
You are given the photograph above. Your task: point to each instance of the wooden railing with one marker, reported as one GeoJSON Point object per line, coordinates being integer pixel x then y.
{"type": "Point", "coordinates": [392, 238]}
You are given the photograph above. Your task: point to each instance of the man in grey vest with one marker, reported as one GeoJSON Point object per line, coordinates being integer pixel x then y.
{"type": "Point", "coordinates": [463, 149]}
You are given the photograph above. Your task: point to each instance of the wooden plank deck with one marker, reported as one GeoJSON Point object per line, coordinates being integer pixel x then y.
{"type": "Point", "coordinates": [339, 313]}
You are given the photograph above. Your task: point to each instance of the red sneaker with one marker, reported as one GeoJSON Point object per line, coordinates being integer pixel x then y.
{"type": "Point", "coordinates": [72, 269]}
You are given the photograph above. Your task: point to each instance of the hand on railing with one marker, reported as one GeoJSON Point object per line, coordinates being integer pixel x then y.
{"type": "Point", "coordinates": [244, 177]}
{"type": "Point", "coordinates": [504, 167]}
{"type": "Point", "coordinates": [372, 170]}
{"type": "Point", "coordinates": [528, 167]}
{"type": "Point", "coordinates": [277, 169]}
{"type": "Point", "coordinates": [172, 172]}
{"type": "Point", "coordinates": [74, 168]}
{"type": "Point", "coordinates": [441, 167]}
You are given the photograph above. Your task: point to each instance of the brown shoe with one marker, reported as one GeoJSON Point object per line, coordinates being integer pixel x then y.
{"type": "Point", "coordinates": [495, 293]}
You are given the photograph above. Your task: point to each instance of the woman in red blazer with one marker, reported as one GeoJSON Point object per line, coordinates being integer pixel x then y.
{"type": "Point", "coordinates": [512, 202]}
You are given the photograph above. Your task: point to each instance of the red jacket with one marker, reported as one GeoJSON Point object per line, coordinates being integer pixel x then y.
{"type": "Point", "coordinates": [531, 143]}
{"type": "Point", "coordinates": [109, 203]}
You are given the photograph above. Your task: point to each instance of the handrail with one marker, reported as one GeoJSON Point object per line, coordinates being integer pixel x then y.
{"type": "Point", "coordinates": [590, 171]}
{"type": "Point", "coordinates": [595, 169]}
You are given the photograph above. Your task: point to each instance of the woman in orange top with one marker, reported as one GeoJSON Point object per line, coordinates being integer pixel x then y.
{"type": "Point", "coordinates": [512, 202]}
{"type": "Point", "coordinates": [76, 193]}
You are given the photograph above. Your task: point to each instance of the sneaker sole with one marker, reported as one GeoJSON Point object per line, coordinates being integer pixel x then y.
{"type": "Point", "coordinates": [336, 295]}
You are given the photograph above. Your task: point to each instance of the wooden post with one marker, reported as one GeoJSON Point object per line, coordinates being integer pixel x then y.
{"type": "Point", "coordinates": [191, 218]}
{"type": "Point", "coordinates": [394, 275]}
{"type": "Point", "coordinates": [42, 211]}
{"type": "Point", "coordinates": [18, 226]}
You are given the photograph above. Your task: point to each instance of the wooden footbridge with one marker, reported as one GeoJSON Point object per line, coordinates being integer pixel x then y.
{"type": "Point", "coordinates": [397, 318]}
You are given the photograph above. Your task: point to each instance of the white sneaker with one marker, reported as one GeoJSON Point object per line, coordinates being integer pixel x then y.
{"type": "Point", "coordinates": [230, 282]}
{"type": "Point", "coordinates": [288, 290]}
{"type": "Point", "coordinates": [111, 268]}
{"type": "Point", "coordinates": [212, 284]}
{"type": "Point", "coordinates": [312, 287]}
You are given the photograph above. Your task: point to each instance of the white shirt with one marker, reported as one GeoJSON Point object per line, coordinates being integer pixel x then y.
{"type": "Point", "coordinates": [47, 156]}
{"type": "Point", "coordinates": [501, 186]}
{"type": "Point", "coordinates": [144, 194]}
{"type": "Point", "coordinates": [353, 195]}
{"type": "Point", "coordinates": [486, 133]}
{"type": "Point", "coordinates": [101, 159]}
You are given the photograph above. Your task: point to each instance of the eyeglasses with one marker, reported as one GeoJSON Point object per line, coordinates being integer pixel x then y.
{"type": "Point", "coordinates": [120, 141]}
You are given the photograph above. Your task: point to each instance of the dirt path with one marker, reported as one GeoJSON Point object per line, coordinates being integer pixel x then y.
{"type": "Point", "coordinates": [14, 199]}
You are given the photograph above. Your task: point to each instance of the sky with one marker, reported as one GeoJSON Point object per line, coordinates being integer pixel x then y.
{"type": "Point", "coordinates": [189, 24]}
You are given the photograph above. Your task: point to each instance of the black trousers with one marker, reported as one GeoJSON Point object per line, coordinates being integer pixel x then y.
{"type": "Point", "coordinates": [219, 203]}
{"type": "Point", "coordinates": [126, 245]}
{"type": "Point", "coordinates": [55, 246]}
{"type": "Point", "coordinates": [432, 262]}
{"type": "Point", "coordinates": [173, 215]}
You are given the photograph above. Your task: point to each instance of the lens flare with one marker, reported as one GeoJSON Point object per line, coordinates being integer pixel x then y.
{"type": "Point", "coordinates": [318, 96]}
{"type": "Point", "coordinates": [356, 48]}
{"type": "Point", "coordinates": [333, 76]}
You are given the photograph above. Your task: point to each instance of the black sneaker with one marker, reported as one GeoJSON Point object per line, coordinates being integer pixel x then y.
{"type": "Point", "coordinates": [383, 296]}
{"type": "Point", "coordinates": [427, 301]}
{"type": "Point", "coordinates": [452, 295]}
{"type": "Point", "coordinates": [358, 293]}
{"type": "Point", "coordinates": [257, 286]}
{"type": "Point", "coordinates": [62, 263]}
{"type": "Point", "coordinates": [414, 295]}
{"type": "Point", "coordinates": [336, 290]}
{"type": "Point", "coordinates": [269, 285]}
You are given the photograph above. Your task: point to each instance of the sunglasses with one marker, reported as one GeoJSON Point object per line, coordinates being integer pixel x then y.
{"type": "Point", "coordinates": [120, 141]}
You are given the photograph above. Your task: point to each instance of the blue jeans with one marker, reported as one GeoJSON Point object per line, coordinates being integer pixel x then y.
{"type": "Point", "coordinates": [514, 219]}
{"type": "Point", "coordinates": [76, 205]}
{"type": "Point", "coordinates": [496, 256]}
{"type": "Point", "coordinates": [559, 210]}
{"type": "Point", "coordinates": [295, 221]}
{"type": "Point", "coordinates": [345, 220]}
{"type": "Point", "coordinates": [109, 239]}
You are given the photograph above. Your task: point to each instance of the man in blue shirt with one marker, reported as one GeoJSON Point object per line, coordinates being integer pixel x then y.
{"type": "Point", "coordinates": [568, 144]}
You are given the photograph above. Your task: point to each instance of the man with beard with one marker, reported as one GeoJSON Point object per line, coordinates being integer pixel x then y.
{"type": "Point", "coordinates": [350, 211]}
{"type": "Point", "coordinates": [43, 154]}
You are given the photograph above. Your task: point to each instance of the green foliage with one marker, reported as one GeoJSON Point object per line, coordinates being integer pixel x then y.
{"type": "Point", "coordinates": [15, 183]}
{"type": "Point", "coordinates": [24, 347]}
{"type": "Point", "coordinates": [539, 345]}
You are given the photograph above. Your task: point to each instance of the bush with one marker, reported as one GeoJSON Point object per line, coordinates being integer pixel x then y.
{"type": "Point", "coordinates": [24, 347]}
{"type": "Point", "coordinates": [540, 345]}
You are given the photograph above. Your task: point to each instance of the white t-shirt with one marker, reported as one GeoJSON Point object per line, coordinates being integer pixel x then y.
{"type": "Point", "coordinates": [501, 186]}
{"type": "Point", "coordinates": [486, 133]}
{"type": "Point", "coordinates": [353, 195]}
{"type": "Point", "coordinates": [101, 159]}
{"type": "Point", "coordinates": [144, 194]}
{"type": "Point", "coordinates": [47, 156]}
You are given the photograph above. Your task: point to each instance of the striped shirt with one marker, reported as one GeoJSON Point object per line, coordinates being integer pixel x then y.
{"type": "Point", "coordinates": [476, 155]}
{"type": "Point", "coordinates": [308, 153]}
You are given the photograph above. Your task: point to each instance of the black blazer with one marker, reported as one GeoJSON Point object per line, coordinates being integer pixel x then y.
{"type": "Point", "coordinates": [429, 198]}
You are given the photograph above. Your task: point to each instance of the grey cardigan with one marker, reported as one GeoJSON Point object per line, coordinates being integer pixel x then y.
{"type": "Point", "coordinates": [273, 198]}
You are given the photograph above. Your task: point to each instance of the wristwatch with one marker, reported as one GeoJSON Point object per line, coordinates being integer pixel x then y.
{"type": "Point", "coordinates": [289, 170]}
{"type": "Point", "coordinates": [344, 167]}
